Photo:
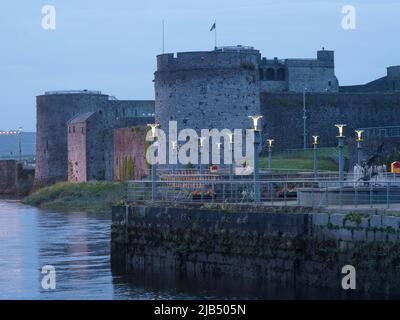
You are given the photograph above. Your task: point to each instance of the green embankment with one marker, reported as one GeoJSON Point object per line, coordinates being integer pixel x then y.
{"type": "Point", "coordinates": [88, 197]}
{"type": "Point", "coordinates": [303, 160]}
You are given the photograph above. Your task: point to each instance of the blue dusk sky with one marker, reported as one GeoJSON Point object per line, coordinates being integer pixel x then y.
{"type": "Point", "coordinates": [111, 45]}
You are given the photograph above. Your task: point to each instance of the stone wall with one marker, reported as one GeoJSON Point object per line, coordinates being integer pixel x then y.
{"type": "Point", "coordinates": [388, 83]}
{"type": "Point", "coordinates": [14, 178]}
{"type": "Point", "coordinates": [110, 138]}
{"type": "Point", "coordinates": [315, 79]}
{"type": "Point", "coordinates": [130, 153]}
{"type": "Point", "coordinates": [283, 115]}
{"type": "Point", "coordinates": [53, 113]}
{"type": "Point", "coordinates": [290, 247]}
{"type": "Point", "coordinates": [8, 176]}
{"type": "Point", "coordinates": [77, 168]}
{"type": "Point", "coordinates": [54, 110]}
{"type": "Point", "coordinates": [204, 90]}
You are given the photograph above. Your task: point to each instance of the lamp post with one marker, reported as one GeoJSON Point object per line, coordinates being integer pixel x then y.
{"type": "Point", "coordinates": [257, 143]}
{"type": "Point", "coordinates": [315, 143]}
{"type": "Point", "coordinates": [175, 153]}
{"type": "Point", "coordinates": [218, 144]}
{"type": "Point", "coordinates": [304, 120]}
{"type": "Point", "coordinates": [230, 136]}
{"type": "Point", "coordinates": [19, 143]}
{"type": "Point", "coordinates": [153, 127]}
{"type": "Point", "coordinates": [270, 152]}
{"type": "Point", "coordinates": [17, 132]}
{"type": "Point", "coordinates": [201, 140]}
{"type": "Point", "coordinates": [359, 139]}
{"type": "Point", "coordinates": [341, 139]}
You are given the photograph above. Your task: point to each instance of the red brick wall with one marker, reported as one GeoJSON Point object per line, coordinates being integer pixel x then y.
{"type": "Point", "coordinates": [129, 147]}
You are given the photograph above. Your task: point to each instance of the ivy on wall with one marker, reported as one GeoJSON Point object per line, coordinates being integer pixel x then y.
{"type": "Point", "coordinates": [126, 168]}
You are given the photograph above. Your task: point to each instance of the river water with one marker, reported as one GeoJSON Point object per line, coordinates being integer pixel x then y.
{"type": "Point", "coordinates": [77, 245]}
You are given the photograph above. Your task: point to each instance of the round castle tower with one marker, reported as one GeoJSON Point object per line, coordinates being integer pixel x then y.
{"type": "Point", "coordinates": [211, 89]}
{"type": "Point", "coordinates": [53, 111]}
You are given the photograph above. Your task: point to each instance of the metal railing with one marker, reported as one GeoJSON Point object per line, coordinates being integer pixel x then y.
{"type": "Point", "coordinates": [390, 131]}
{"type": "Point", "coordinates": [307, 192]}
{"type": "Point", "coordinates": [17, 157]}
{"type": "Point", "coordinates": [265, 174]}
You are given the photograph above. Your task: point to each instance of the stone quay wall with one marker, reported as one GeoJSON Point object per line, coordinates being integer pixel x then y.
{"type": "Point", "coordinates": [290, 247]}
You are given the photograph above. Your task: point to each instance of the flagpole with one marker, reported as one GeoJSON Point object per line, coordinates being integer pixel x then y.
{"type": "Point", "coordinates": [215, 29]}
{"type": "Point", "coordinates": [163, 36]}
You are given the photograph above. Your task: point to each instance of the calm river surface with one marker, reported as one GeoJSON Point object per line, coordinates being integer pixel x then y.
{"type": "Point", "coordinates": [78, 246]}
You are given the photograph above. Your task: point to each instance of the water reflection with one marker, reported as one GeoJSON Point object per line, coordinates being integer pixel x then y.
{"type": "Point", "coordinates": [78, 246]}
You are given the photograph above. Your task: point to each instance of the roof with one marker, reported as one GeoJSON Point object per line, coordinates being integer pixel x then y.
{"type": "Point", "coordinates": [81, 117]}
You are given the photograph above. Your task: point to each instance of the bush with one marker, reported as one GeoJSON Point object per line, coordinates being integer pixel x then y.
{"type": "Point", "coordinates": [93, 196]}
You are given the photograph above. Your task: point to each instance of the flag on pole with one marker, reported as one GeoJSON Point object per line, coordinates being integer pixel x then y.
{"type": "Point", "coordinates": [213, 26]}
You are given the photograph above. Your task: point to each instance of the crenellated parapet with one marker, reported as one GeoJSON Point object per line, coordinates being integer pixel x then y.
{"type": "Point", "coordinates": [224, 57]}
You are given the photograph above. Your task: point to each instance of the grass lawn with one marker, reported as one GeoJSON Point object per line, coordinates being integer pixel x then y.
{"type": "Point", "coordinates": [303, 160]}
{"type": "Point", "coordinates": [88, 197]}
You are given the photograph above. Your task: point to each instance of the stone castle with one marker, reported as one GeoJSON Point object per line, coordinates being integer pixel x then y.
{"type": "Point", "coordinates": [87, 135]}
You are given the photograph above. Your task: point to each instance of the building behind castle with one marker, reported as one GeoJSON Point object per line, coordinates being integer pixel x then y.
{"type": "Point", "coordinates": [87, 135]}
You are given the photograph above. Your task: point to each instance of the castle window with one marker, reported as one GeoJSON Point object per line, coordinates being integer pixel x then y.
{"type": "Point", "coordinates": [83, 130]}
{"type": "Point", "coordinates": [270, 74]}
{"type": "Point", "coordinates": [69, 129]}
{"type": "Point", "coordinates": [281, 74]}
{"type": "Point", "coordinates": [261, 74]}
{"type": "Point", "coordinates": [73, 129]}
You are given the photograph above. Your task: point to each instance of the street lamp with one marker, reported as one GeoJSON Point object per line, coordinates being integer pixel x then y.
{"type": "Point", "coordinates": [19, 143]}
{"type": "Point", "coordinates": [304, 120]}
{"type": "Point", "coordinates": [201, 140]}
{"type": "Point", "coordinates": [270, 152]}
{"type": "Point", "coordinates": [255, 121]}
{"type": "Point", "coordinates": [359, 139]}
{"type": "Point", "coordinates": [341, 139]}
{"type": "Point", "coordinates": [315, 143]}
{"type": "Point", "coordinates": [153, 127]}
{"type": "Point", "coordinates": [174, 145]}
{"type": "Point", "coordinates": [230, 136]}
{"type": "Point", "coordinates": [17, 132]}
{"type": "Point", "coordinates": [257, 143]}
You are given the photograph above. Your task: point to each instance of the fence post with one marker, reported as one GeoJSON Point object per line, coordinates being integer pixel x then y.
{"type": "Point", "coordinates": [370, 195]}
{"type": "Point", "coordinates": [388, 194]}
{"type": "Point", "coordinates": [285, 194]}
{"type": "Point", "coordinates": [213, 191]}
{"type": "Point", "coordinates": [270, 193]}
{"type": "Point", "coordinates": [153, 181]}
{"type": "Point", "coordinates": [341, 194]}
{"type": "Point", "coordinates": [326, 194]}
{"type": "Point", "coordinates": [312, 196]}
{"type": "Point", "coordinates": [355, 195]}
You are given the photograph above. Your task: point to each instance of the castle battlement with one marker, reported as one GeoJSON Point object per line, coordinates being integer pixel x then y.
{"type": "Point", "coordinates": [393, 72]}
{"type": "Point", "coordinates": [69, 92]}
{"type": "Point", "coordinates": [226, 57]}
